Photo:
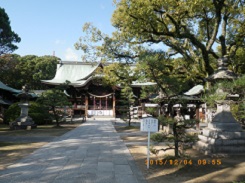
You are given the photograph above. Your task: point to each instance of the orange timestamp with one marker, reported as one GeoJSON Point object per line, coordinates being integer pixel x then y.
{"type": "Point", "coordinates": [177, 162]}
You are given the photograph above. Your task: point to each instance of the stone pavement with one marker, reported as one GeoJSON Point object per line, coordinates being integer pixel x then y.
{"type": "Point", "coordinates": [91, 153]}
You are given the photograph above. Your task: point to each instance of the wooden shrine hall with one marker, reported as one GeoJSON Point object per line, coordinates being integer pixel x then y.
{"type": "Point", "coordinates": [86, 92]}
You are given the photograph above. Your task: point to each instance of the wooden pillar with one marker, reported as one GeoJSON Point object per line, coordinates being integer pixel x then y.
{"type": "Point", "coordinates": [86, 106]}
{"type": "Point", "coordinates": [197, 117]}
{"type": "Point", "coordinates": [105, 103]}
{"type": "Point", "coordinates": [94, 103]}
{"type": "Point", "coordinates": [100, 103]}
{"type": "Point", "coordinates": [114, 106]}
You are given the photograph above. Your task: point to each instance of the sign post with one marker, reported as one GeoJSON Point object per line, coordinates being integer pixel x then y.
{"type": "Point", "coordinates": [149, 125]}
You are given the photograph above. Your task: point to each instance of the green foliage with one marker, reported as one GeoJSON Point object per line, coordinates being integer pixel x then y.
{"type": "Point", "coordinates": [12, 113]}
{"type": "Point", "coordinates": [122, 75]}
{"type": "Point", "coordinates": [54, 99]}
{"type": "Point", "coordinates": [36, 111]}
{"type": "Point", "coordinates": [237, 86]}
{"type": "Point", "coordinates": [96, 44]}
{"type": "Point", "coordinates": [179, 140]}
{"type": "Point", "coordinates": [147, 91]}
{"type": "Point", "coordinates": [150, 110]}
{"type": "Point", "coordinates": [228, 87]}
{"type": "Point", "coordinates": [174, 24]}
{"type": "Point", "coordinates": [7, 36]}
{"type": "Point", "coordinates": [238, 111]}
{"type": "Point", "coordinates": [190, 29]}
{"type": "Point", "coordinates": [158, 137]}
{"type": "Point", "coordinates": [162, 120]}
{"type": "Point", "coordinates": [9, 73]}
{"type": "Point", "coordinates": [119, 74]}
{"type": "Point", "coordinates": [170, 121]}
{"type": "Point", "coordinates": [172, 76]}
{"type": "Point", "coordinates": [17, 71]}
{"type": "Point", "coordinates": [127, 100]}
{"type": "Point", "coordinates": [39, 113]}
{"type": "Point", "coordinates": [211, 99]}
{"type": "Point", "coordinates": [33, 69]}
{"type": "Point", "coordinates": [238, 62]}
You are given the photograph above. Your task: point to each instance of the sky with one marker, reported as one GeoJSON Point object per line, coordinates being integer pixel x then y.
{"type": "Point", "coordinates": [48, 27]}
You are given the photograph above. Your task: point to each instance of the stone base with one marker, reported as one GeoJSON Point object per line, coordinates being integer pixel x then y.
{"type": "Point", "coordinates": [223, 135]}
{"type": "Point", "coordinates": [221, 142]}
{"type": "Point", "coordinates": [23, 122]}
{"type": "Point", "coordinates": [23, 127]}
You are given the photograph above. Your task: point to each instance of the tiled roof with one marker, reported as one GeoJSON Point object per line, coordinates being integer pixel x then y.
{"type": "Point", "coordinates": [7, 88]}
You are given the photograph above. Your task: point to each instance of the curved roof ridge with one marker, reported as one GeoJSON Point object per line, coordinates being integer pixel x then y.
{"type": "Point", "coordinates": [72, 72]}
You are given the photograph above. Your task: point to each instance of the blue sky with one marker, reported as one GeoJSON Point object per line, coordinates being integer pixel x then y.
{"type": "Point", "coordinates": [47, 26]}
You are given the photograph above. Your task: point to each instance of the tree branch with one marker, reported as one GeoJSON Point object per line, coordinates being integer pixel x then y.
{"type": "Point", "coordinates": [218, 7]}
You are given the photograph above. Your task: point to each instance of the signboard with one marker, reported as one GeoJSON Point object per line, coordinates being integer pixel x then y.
{"type": "Point", "coordinates": [149, 124]}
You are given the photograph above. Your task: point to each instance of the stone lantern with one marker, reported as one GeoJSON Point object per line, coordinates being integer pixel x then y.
{"type": "Point", "coordinates": [23, 121]}
{"type": "Point", "coordinates": [223, 135]}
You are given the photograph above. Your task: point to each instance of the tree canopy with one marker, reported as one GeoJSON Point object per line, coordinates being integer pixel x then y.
{"type": "Point", "coordinates": [189, 29]}
{"type": "Point", "coordinates": [55, 100]}
{"type": "Point", "coordinates": [17, 71]}
{"type": "Point", "coordinates": [7, 36]}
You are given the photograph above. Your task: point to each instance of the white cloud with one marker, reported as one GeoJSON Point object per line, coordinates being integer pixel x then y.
{"type": "Point", "coordinates": [70, 55]}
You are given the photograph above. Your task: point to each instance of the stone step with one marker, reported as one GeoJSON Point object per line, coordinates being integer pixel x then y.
{"type": "Point", "coordinates": [231, 127]}
{"type": "Point", "coordinates": [208, 132]}
{"type": "Point", "coordinates": [225, 142]}
{"type": "Point", "coordinates": [202, 147]}
{"type": "Point", "coordinates": [217, 149]}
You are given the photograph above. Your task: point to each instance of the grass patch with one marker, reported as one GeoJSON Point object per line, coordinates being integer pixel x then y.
{"type": "Point", "coordinates": [3, 144]}
{"type": "Point", "coordinates": [131, 127]}
{"type": "Point", "coordinates": [41, 130]}
{"type": "Point", "coordinates": [127, 128]}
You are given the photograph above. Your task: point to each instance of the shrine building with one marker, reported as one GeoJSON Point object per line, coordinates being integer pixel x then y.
{"type": "Point", "coordinates": [86, 92]}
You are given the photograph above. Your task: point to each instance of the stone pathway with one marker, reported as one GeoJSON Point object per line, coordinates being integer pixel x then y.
{"type": "Point", "coordinates": [91, 153]}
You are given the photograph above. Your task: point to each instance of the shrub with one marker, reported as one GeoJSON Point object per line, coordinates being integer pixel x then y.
{"type": "Point", "coordinates": [37, 112]}
{"type": "Point", "coordinates": [179, 140]}
{"type": "Point", "coordinates": [162, 120]}
{"type": "Point", "coordinates": [11, 113]}
{"type": "Point", "coordinates": [158, 137]}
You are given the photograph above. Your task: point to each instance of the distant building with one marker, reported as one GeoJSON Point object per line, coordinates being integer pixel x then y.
{"type": "Point", "coordinates": [7, 97]}
{"type": "Point", "coordinates": [86, 92]}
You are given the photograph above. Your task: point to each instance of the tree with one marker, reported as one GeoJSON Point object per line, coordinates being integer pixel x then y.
{"type": "Point", "coordinates": [55, 99]}
{"type": "Point", "coordinates": [9, 72]}
{"type": "Point", "coordinates": [36, 111]}
{"type": "Point", "coordinates": [7, 36]}
{"type": "Point", "coordinates": [228, 87]}
{"type": "Point", "coordinates": [34, 69]}
{"type": "Point", "coordinates": [190, 29]}
{"type": "Point", "coordinates": [118, 74]}
{"type": "Point", "coordinates": [172, 76]}
{"type": "Point", "coordinates": [238, 65]}
{"type": "Point", "coordinates": [127, 100]}
{"type": "Point", "coordinates": [17, 71]}
{"type": "Point", "coordinates": [179, 140]}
